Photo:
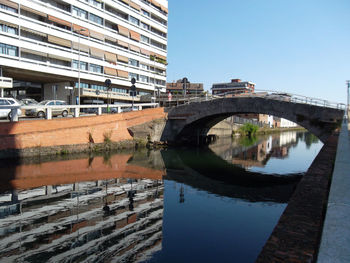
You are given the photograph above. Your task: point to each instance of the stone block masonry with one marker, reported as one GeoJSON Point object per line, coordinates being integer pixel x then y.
{"type": "Point", "coordinates": [296, 236]}
{"type": "Point", "coordinates": [73, 131]}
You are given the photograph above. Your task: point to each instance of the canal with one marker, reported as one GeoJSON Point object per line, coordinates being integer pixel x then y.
{"type": "Point", "coordinates": [214, 203]}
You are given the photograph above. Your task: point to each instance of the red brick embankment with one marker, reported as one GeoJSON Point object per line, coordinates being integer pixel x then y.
{"type": "Point", "coordinates": [73, 131]}
{"type": "Point", "coordinates": [296, 236]}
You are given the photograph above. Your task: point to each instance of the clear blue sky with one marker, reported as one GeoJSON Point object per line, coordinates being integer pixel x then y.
{"type": "Point", "coordinates": [297, 46]}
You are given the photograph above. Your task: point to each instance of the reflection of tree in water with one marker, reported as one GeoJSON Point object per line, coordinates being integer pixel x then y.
{"type": "Point", "coordinates": [247, 141]}
{"type": "Point", "coordinates": [310, 139]}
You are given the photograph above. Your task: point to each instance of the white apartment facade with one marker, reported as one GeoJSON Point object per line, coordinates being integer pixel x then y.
{"type": "Point", "coordinates": [49, 46]}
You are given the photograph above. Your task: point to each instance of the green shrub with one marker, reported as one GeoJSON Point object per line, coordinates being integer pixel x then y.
{"type": "Point", "coordinates": [248, 129]}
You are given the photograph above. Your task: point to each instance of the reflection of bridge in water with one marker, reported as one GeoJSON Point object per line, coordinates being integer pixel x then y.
{"type": "Point", "coordinates": [213, 174]}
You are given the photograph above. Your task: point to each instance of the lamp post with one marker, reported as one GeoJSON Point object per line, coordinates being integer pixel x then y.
{"type": "Point", "coordinates": [133, 92]}
{"type": "Point", "coordinates": [79, 32]}
{"type": "Point", "coordinates": [348, 94]}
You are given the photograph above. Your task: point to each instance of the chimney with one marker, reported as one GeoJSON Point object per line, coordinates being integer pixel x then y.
{"type": "Point", "coordinates": [235, 80]}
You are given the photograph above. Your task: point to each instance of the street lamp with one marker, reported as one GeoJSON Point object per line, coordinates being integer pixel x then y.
{"type": "Point", "coordinates": [79, 32]}
{"type": "Point", "coordinates": [348, 94]}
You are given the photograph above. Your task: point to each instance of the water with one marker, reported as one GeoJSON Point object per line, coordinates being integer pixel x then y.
{"type": "Point", "coordinates": [218, 203]}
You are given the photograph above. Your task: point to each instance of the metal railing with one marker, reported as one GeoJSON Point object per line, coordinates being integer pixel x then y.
{"type": "Point", "coordinates": [267, 94]}
{"type": "Point", "coordinates": [284, 96]}
{"type": "Point", "coordinates": [77, 110]}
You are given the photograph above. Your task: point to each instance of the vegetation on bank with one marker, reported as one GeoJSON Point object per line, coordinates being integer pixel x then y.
{"type": "Point", "coordinates": [248, 129]}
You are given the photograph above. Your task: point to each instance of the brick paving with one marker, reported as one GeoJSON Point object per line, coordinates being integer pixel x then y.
{"type": "Point", "coordinates": [296, 236]}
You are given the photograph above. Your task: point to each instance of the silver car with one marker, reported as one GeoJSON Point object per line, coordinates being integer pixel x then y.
{"type": "Point", "coordinates": [7, 102]}
{"type": "Point", "coordinates": [41, 112]}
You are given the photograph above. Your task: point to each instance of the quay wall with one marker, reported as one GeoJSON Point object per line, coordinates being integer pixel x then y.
{"type": "Point", "coordinates": [26, 137]}
{"type": "Point", "coordinates": [296, 237]}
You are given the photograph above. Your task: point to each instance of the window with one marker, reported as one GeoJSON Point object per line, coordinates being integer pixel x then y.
{"type": "Point", "coordinates": [158, 32]}
{"type": "Point", "coordinates": [145, 12]}
{"type": "Point", "coordinates": [9, 29]}
{"type": "Point", "coordinates": [95, 68]}
{"type": "Point", "coordinates": [82, 85]}
{"type": "Point", "coordinates": [133, 75]}
{"type": "Point", "coordinates": [144, 78]}
{"type": "Point", "coordinates": [14, 10]}
{"type": "Point", "coordinates": [144, 66]}
{"type": "Point", "coordinates": [144, 26]}
{"type": "Point", "coordinates": [8, 50]}
{"type": "Point", "coordinates": [83, 65]}
{"type": "Point", "coordinates": [96, 19]}
{"type": "Point", "coordinates": [144, 93]}
{"type": "Point", "coordinates": [95, 3]}
{"type": "Point", "coordinates": [144, 39]}
{"type": "Point", "coordinates": [119, 90]}
{"type": "Point", "coordinates": [134, 20]}
{"type": "Point", "coordinates": [4, 102]}
{"type": "Point", "coordinates": [133, 62]}
{"type": "Point", "coordinates": [157, 44]}
{"type": "Point", "coordinates": [97, 87]}
{"type": "Point", "coordinates": [79, 12]}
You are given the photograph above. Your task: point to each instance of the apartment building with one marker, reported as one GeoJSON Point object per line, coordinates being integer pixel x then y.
{"type": "Point", "coordinates": [48, 47]}
{"type": "Point", "coordinates": [179, 87]}
{"type": "Point", "coordinates": [235, 87]}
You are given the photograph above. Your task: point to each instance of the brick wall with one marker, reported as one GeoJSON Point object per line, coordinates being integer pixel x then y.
{"type": "Point", "coordinates": [73, 131]}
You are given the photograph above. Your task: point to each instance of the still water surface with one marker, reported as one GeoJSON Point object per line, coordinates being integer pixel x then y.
{"type": "Point", "coordinates": [218, 203]}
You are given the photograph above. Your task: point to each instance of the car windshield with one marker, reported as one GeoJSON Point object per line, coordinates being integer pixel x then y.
{"type": "Point", "coordinates": [43, 102]}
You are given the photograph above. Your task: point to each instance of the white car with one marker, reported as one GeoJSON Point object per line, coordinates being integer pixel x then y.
{"type": "Point", "coordinates": [5, 110]}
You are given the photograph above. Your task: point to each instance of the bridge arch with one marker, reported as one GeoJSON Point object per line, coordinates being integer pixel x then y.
{"type": "Point", "coordinates": [187, 122]}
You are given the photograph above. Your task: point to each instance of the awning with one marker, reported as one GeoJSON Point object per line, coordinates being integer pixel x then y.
{"type": "Point", "coordinates": [59, 41]}
{"type": "Point", "coordinates": [9, 3]}
{"type": "Point", "coordinates": [110, 71]}
{"type": "Point", "coordinates": [35, 52]}
{"type": "Point", "coordinates": [134, 48]}
{"type": "Point", "coordinates": [110, 38]}
{"type": "Point", "coordinates": [155, 3]}
{"type": "Point", "coordinates": [83, 47]}
{"type": "Point", "coordinates": [164, 9]}
{"type": "Point", "coordinates": [126, 1]}
{"type": "Point", "coordinates": [59, 57]}
{"type": "Point", "coordinates": [33, 32]}
{"type": "Point", "coordinates": [95, 52]}
{"type": "Point", "coordinates": [134, 35]}
{"type": "Point", "coordinates": [33, 11]}
{"type": "Point", "coordinates": [134, 5]}
{"type": "Point", "coordinates": [110, 57]}
{"type": "Point", "coordinates": [97, 35]}
{"type": "Point", "coordinates": [59, 21]}
{"type": "Point", "coordinates": [122, 58]}
{"type": "Point", "coordinates": [8, 24]}
{"type": "Point", "coordinates": [81, 30]}
{"type": "Point", "coordinates": [123, 44]}
{"type": "Point", "coordinates": [122, 73]}
{"type": "Point", "coordinates": [123, 31]}
{"type": "Point", "coordinates": [145, 52]}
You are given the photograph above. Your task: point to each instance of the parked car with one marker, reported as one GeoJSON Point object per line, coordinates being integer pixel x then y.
{"type": "Point", "coordinates": [129, 109]}
{"type": "Point", "coordinates": [28, 102]}
{"type": "Point", "coordinates": [41, 112]}
{"type": "Point", "coordinates": [6, 112]}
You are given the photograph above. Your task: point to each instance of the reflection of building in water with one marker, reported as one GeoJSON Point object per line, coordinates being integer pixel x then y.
{"type": "Point", "coordinates": [254, 156]}
{"type": "Point", "coordinates": [287, 138]}
{"type": "Point", "coordinates": [118, 219]}
{"type": "Point", "coordinates": [258, 155]}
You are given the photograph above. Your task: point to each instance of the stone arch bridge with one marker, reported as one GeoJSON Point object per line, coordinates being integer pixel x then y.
{"type": "Point", "coordinates": [191, 121]}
